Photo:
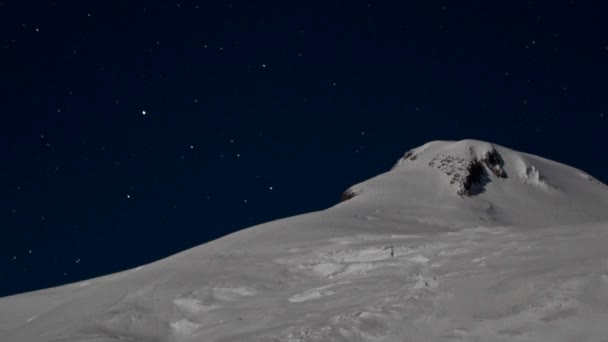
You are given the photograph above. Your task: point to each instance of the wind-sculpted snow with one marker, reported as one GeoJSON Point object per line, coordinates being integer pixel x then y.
{"type": "Point", "coordinates": [494, 287]}
{"type": "Point", "coordinates": [406, 259]}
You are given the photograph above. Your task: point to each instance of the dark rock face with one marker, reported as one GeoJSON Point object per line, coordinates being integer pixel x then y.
{"type": "Point", "coordinates": [475, 175]}
{"type": "Point", "coordinates": [350, 193]}
{"type": "Point", "coordinates": [494, 162]}
{"type": "Point", "coordinates": [409, 156]}
{"type": "Point", "coordinates": [594, 180]}
{"type": "Point", "coordinates": [470, 175]}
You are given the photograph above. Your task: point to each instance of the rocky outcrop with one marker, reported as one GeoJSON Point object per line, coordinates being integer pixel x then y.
{"type": "Point", "coordinates": [470, 174]}
{"type": "Point", "coordinates": [494, 162]}
{"type": "Point", "coordinates": [475, 175]}
{"type": "Point", "coordinates": [350, 193]}
{"type": "Point", "coordinates": [593, 180]}
{"type": "Point", "coordinates": [409, 156]}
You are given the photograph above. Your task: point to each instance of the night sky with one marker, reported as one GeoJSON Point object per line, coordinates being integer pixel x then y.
{"type": "Point", "coordinates": [132, 130]}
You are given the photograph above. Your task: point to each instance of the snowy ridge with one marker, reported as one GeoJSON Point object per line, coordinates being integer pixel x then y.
{"type": "Point", "coordinates": [460, 241]}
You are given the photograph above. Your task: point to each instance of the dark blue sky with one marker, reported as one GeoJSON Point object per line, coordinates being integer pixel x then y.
{"type": "Point", "coordinates": [260, 110]}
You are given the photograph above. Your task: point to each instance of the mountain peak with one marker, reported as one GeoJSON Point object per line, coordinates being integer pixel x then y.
{"type": "Point", "coordinates": [468, 163]}
{"type": "Point", "coordinates": [495, 183]}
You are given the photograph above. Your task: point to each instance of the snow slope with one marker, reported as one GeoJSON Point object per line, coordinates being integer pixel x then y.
{"type": "Point", "coordinates": [460, 241]}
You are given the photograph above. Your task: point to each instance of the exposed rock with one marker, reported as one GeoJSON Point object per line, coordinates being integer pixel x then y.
{"type": "Point", "coordinates": [469, 174]}
{"type": "Point", "coordinates": [494, 162]}
{"type": "Point", "coordinates": [409, 156]}
{"type": "Point", "coordinates": [593, 180]}
{"type": "Point", "coordinates": [346, 195]}
{"type": "Point", "coordinates": [350, 193]}
{"type": "Point", "coordinates": [475, 174]}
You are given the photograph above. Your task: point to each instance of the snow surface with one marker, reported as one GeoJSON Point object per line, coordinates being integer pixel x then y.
{"type": "Point", "coordinates": [460, 241]}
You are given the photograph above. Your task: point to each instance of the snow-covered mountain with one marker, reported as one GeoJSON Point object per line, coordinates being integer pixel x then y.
{"type": "Point", "coordinates": [460, 241]}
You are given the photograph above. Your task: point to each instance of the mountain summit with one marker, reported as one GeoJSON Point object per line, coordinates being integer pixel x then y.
{"type": "Point", "coordinates": [460, 241]}
{"type": "Point", "coordinates": [488, 181]}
